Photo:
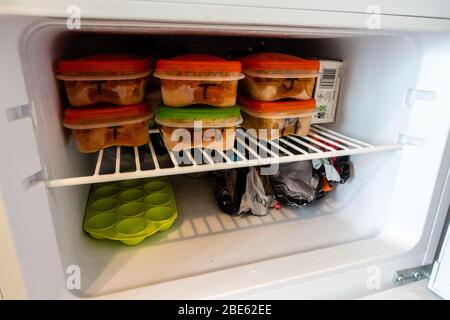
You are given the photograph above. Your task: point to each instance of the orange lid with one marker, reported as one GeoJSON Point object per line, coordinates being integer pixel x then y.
{"type": "Point", "coordinates": [104, 113]}
{"type": "Point", "coordinates": [106, 62]}
{"type": "Point", "coordinates": [276, 106]}
{"type": "Point", "coordinates": [278, 61]}
{"type": "Point", "coordinates": [198, 63]}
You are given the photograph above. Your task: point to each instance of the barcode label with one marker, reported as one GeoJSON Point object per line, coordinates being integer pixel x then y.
{"type": "Point", "coordinates": [328, 78]}
{"type": "Point", "coordinates": [321, 111]}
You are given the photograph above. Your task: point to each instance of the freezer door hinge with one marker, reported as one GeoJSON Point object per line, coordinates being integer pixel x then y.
{"type": "Point", "coordinates": [412, 274]}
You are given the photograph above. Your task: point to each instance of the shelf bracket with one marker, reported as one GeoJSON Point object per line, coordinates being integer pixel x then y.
{"type": "Point", "coordinates": [20, 112]}
{"type": "Point", "coordinates": [414, 94]}
{"type": "Point", "coordinates": [35, 178]}
{"type": "Point", "coordinates": [413, 141]}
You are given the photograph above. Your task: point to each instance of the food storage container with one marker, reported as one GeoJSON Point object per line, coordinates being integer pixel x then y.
{"type": "Point", "coordinates": [112, 78]}
{"type": "Point", "coordinates": [198, 79]}
{"type": "Point", "coordinates": [277, 119]}
{"type": "Point", "coordinates": [198, 126]}
{"type": "Point", "coordinates": [104, 126]}
{"type": "Point", "coordinates": [272, 76]}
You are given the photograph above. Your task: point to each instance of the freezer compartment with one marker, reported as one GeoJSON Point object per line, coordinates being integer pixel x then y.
{"type": "Point", "coordinates": [357, 102]}
{"type": "Point", "coordinates": [373, 204]}
{"type": "Point", "coordinates": [203, 239]}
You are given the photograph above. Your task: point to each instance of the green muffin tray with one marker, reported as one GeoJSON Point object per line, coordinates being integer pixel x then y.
{"type": "Point", "coordinates": [131, 210]}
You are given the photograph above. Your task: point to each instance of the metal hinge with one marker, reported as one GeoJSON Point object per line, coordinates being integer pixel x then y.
{"type": "Point", "coordinates": [412, 274]}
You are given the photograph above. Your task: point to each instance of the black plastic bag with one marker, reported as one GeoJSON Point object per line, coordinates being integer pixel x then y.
{"type": "Point", "coordinates": [229, 187]}
{"type": "Point", "coordinates": [296, 184]}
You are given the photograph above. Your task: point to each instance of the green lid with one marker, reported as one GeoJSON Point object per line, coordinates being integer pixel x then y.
{"type": "Point", "coordinates": [210, 116]}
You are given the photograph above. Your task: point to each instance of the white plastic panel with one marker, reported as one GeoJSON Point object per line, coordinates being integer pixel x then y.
{"type": "Point", "coordinates": [24, 204]}
{"type": "Point", "coordinates": [422, 8]}
{"type": "Point", "coordinates": [440, 277]}
{"type": "Point", "coordinates": [320, 14]}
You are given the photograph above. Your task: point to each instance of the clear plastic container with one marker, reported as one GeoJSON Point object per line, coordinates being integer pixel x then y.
{"type": "Point", "coordinates": [198, 79]}
{"type": "Point", "coordinates": [277, 119]}
{"type": "Point", "coordinates": [272, 76]}
{"type": "Point", "coordinates": [105, 78]}
{"type": "Point", "coordinates": [105, 126]}
{"type": "Point", "coordinates": [198, 126]}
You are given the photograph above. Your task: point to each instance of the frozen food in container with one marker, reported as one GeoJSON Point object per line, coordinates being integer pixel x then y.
{"type": "Point", "coordinates": [271, 120]}
{"type": "Point", "coordinates": [198, 79]}
{"type": "Point", "coordinates": [104, 126]}
{"type": "Point", "coordinates": [198, 126]}
{"type": "Point", "coordinates": [109, 78]}
{"type": "Point", "coordinates": [272, 76]}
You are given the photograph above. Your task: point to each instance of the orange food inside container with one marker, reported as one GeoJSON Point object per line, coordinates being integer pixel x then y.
{"type": "Point", "coordinates": [109, 78]}
{"type": "Point", "coordinates": [198, 126]}
{"type": "Point", "coordinates": [271, 120]}
{"type": "Point", "coordinates": [273, 76]}
{"type": "Point", "coordinates": [104, 126]}
{"type": "Point", "coordinates": [198, 79]}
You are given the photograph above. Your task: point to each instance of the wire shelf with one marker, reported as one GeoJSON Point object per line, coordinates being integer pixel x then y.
{"type": "Point", "coordinates": [121, 163]}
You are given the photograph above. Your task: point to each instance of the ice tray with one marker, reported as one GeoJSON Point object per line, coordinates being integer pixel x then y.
{"type": "Point", "coordinates": [131, 210]}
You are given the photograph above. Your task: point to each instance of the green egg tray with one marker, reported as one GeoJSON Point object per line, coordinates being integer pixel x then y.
{"type": "Point", "coordinates": [130, 211]}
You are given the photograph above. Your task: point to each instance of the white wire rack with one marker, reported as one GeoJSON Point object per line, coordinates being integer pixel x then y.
{"type": "Point", "coordinates": [150, 161]}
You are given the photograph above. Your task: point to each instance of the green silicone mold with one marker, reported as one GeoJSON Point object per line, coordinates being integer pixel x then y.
{"type": "Point", "coordinates": [130, 211]}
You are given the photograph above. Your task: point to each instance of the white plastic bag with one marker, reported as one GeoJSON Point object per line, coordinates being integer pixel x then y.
{"type": "Point", "coordinates": [255, 199]}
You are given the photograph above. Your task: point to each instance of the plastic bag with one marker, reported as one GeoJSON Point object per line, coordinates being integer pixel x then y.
{"type": "Point", "coordinates": [229, 186]}
{"type": "Point", "coordinates": [243, 190]}
{"type": "Point", "coordinates": [255, 199]}
{"type": "Point", "coordinates": [343, 167]}
{"type": "Point", "coordinates": [296, 184]}
{"type": "Point", "coordinates": [330, 171]}
{"type": "Point", "coordinates": [333, 171]}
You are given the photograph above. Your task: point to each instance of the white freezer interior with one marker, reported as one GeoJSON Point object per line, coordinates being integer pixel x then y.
{"type": "Point", "coordinates": [374, 203]}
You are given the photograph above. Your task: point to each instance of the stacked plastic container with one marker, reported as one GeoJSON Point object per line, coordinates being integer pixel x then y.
{"type": "Point", "coordinates": [199, 101]}
{"type": "Point", "coordinates": [106, 94]}
{"type": "Point", "coordinates": [280, 90]}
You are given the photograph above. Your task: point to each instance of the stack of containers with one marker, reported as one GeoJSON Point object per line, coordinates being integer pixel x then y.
{"type": "Point", "coordinates": [106, 93]}
{"type": "Point", "coordinates": [281, 89]}
{"type": "Point", "coordinates": [199, 95]}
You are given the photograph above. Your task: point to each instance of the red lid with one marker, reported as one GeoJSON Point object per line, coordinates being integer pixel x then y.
{"type": "Point", "coordinates": [106, 62]}
{"type": "Point", "coordinates": [198, 63]}
{"type": "Point", "coordinates": [278, 61]}
{"type": "Point", "coordinates": [103, 113]}
{"type": "Point", "coordinates": [277, 106]}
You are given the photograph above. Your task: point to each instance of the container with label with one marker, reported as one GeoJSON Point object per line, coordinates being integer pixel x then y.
{"type": "Point", "coordinates": [198, 126]}
{"type": "Point", "coordinates": [105, 125]}
{"type": "Point", "coordinates": [271, 120]}
{"type": "Point", "coordinates": [109, 78]}
{"type": "Point", "coordinates": [272, 76]}
{"type": "Point", "coordinates": [198, 79]}
{"type": "Point", "coordinates": [326, 92]}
